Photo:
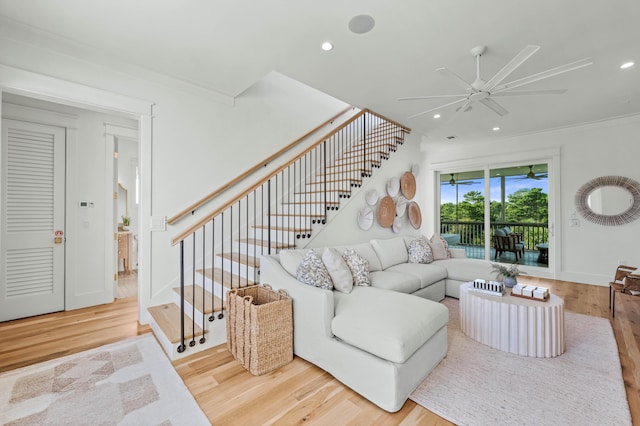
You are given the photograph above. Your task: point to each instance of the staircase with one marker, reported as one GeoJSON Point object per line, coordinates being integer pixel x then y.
{"type": "Point", "coordinates": [284, 211]}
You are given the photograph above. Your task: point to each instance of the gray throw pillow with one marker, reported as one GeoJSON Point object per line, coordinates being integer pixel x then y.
{"type": "Point", "coordinates": [358, 266]}
{"type": "Point", "coordinates": [312, 271]}
{"type": "Point", "coordinates": [420, 251]}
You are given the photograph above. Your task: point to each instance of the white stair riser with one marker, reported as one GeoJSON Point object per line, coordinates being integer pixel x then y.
{"type": "Point", "coordinates": [230, 265]}
{"type": "Point", "coordinates": [188, 310]}
{"type": "Point", "coordinates": [351, 164]}
{"type": "Point", "coordinates": [217, 288]}
{"type": "Point", "coordinates": [343, 186]}
{"type": "Point", "coordinates": [246, 248]}
{"type": "Point", "coordinates": [339, 175]}
{"type": "Point", "coordinates": [277, 235]}
{"type": "Point", "coordinates": [217, 334]}
{"type": "Point", "coordinates": [294, 221]}
{"type": "Point", "coordinates": [317, 196]}
{"type": "Point", "coordinates": [312, 209]}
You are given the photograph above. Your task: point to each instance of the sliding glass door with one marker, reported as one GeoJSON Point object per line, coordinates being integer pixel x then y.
{"type": "Point", "coordinates": [462, 211]}
{"type": "Point", "coordinates": [519, 219]}
{"type": "Point", "coordinates": [516, 199]}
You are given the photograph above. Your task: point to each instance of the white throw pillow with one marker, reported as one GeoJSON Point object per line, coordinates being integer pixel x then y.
{"type": "Point", "coordinates": [391, 251]}
{"type": "Point", "coordinates": [312, 271]}
{"type": "Point", "coordinates": [439, 247]}
{"type": "Point", "coordinates": [290, 259]}
{"type": "Point", "coordinates": [420, 251]}
{"type": "Point", "coordinates": [338, 270]}
{"type": "Point", "coordinates": [359, 267]}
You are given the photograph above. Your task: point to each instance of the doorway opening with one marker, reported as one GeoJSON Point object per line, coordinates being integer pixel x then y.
{"type": "Point", "coordinates": [127, 184]}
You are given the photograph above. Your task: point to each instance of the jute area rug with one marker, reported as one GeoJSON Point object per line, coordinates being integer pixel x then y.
{"type": "Point", "coordinates": [130, 382]}
{"type": "Point", "coordinates": [478, 385]}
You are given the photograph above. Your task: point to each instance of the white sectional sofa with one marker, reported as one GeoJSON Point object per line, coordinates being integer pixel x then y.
{"type": "Point", "coordinates": [382, 340]}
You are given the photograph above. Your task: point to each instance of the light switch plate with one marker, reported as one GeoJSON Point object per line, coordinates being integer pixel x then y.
{"type": "Point", "coordinates": [158, 223]}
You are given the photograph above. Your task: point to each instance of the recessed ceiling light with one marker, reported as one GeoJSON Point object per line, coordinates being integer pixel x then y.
{"type": "Point", "coordinates": [496, 128]}
{"type": "Point", "coordinates": [327, 46]}
{"type": "Point", "coordinates": [361, 24]}
{"type": "Point", "coordinates": [436, 115]}
{"type": "Point", "coordinates": [627, 65]}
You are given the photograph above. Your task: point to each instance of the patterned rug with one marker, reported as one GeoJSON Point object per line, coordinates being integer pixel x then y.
{"type": "Point", "coordinates": [125, 383]}
{"type": "Point", "coordinates": [478, 385]}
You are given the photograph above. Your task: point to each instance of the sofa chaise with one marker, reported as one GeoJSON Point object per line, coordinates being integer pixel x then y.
{"type": "Point", "coordinates": [379, 340]}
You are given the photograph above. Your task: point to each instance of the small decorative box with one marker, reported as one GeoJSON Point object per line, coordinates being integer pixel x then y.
{"type": "Point", "coordinates": [517, 289]}
{"type": "Point", "coordinates": [490, 287]}
{"type": "Point", "coordinates": [528, 290]}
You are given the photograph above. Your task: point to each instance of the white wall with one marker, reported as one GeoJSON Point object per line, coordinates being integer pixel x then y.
{"type": "Point", "coordinates": [199, 141]}
{"type": "Point", "coordinates": [588, 253]}
{"type": "Point", "coordinates": [343, 229]}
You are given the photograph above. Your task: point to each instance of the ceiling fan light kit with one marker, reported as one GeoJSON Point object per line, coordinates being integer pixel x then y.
{"type": "Point", "coordinates": [481, 91]}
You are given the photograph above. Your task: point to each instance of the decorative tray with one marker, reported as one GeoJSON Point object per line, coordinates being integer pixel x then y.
{"type": "Point", "coordinates": [530, 292]}
{"type": "Point", "coordinates": [531, 297]}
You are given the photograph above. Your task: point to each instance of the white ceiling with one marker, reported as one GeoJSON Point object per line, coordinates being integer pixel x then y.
{"type": "Point", "coordinates": [227, 46]}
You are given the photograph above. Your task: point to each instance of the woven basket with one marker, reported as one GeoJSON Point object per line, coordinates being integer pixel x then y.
{"type": "Point", "coordinates": [260, 328]}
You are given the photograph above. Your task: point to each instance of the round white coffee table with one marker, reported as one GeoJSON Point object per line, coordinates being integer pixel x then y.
{"type": "Point", "coordinates": [513, 324]}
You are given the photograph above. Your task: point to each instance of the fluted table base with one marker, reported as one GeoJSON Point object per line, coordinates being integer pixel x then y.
{"type": "Point", "coordinates": [511, 324]}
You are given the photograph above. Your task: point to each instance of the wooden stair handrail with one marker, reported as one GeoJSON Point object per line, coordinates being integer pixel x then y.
{"type": "Point", "coordinates": [172, 220]}
{"type": "Point", "coordinates": [253, 187]}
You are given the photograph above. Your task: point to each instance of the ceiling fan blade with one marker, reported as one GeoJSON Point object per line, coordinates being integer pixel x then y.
{"type": "Point", "coordinates": [530, 92]}
{"type": "Point", "coordinates": [511, 66]}
{"type": "Point", "coordinates": [436, 108]}
{"type": "Point", "coordinates": [494, 106]}
{"type": "Point", "coordinates": [542, 75]}
{"type": "Point", "coordinates": [460, 110]}
{"type": "Point", "coordinates": [456, 78]}
{"type": "Point", "coordinates": [414, 98]}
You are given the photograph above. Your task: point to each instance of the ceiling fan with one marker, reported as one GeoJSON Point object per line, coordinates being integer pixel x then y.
{"type": "Point", "coordinates": [532, 175]}
{"type": "Point", "coordinates": [484, 91]}
{"type": "Point", "coordinates": [452, 181]}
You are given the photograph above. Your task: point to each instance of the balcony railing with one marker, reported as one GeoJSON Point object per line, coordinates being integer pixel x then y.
{"type": "Point", "coordinates": [472, 233]}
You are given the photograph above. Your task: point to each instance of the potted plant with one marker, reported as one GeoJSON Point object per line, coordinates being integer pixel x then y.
{"type": "Point", "coordinates": [509, 273]}
{"type": "Point", "coordinates": [126, 221]}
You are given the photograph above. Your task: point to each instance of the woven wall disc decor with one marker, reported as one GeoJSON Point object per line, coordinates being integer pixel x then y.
{"type": "Point", "coordinates": [408, 185]}
{"type": "Point", "coordinates": [393, 186]}
{"type": "Point", "coordinates": [365, 218]}
{"type": "Point", "coordinates": [386, 212]}
{"type": "Point", "coordinates": [415, 216]}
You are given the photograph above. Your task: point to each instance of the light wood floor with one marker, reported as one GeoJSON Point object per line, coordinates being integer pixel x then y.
{"type": "Point", "coordinates": [298, 392]}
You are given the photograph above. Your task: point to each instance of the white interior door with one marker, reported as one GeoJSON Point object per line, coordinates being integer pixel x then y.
{"type": "Point", "coordinates": [32, 216]}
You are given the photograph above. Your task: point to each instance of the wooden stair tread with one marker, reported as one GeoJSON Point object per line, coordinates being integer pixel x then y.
{"type": "Point", "coordinates": [343, 191]}
{"type": "Point", "coordinates": [352, 163]}
{"type": "Point", "coordinates": [357, 154]}
{"type": "Point", "coordinates": [374, 147]}
{"type": "Point", "coordinates": [225, 278]}
{"type": "Point", "coordinates": [309, 202]}
{"type": "Point", "coordinates": [241, 258]}
{"type": "Point", "coordinates": [334, 181]}
{"type": "Point", "coordinates": [298, 214]}
{"type": "Point", "coordinates": [343, 172]}
{"type": "Point", "coordinates": [283, 228]}
{"type": "Point", "coordinates": [167, 317]}
{"type": "Point", "coordinates": [264, 243]}
{"type": "Point", "coordinates": [209, 307]}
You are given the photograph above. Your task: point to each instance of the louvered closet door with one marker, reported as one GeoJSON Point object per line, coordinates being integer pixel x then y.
{"type": "Point", "coordinates": [32, 210]}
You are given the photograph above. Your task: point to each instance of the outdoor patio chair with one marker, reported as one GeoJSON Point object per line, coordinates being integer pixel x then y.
{"type": "Point", "coordinates": [508, 243]}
